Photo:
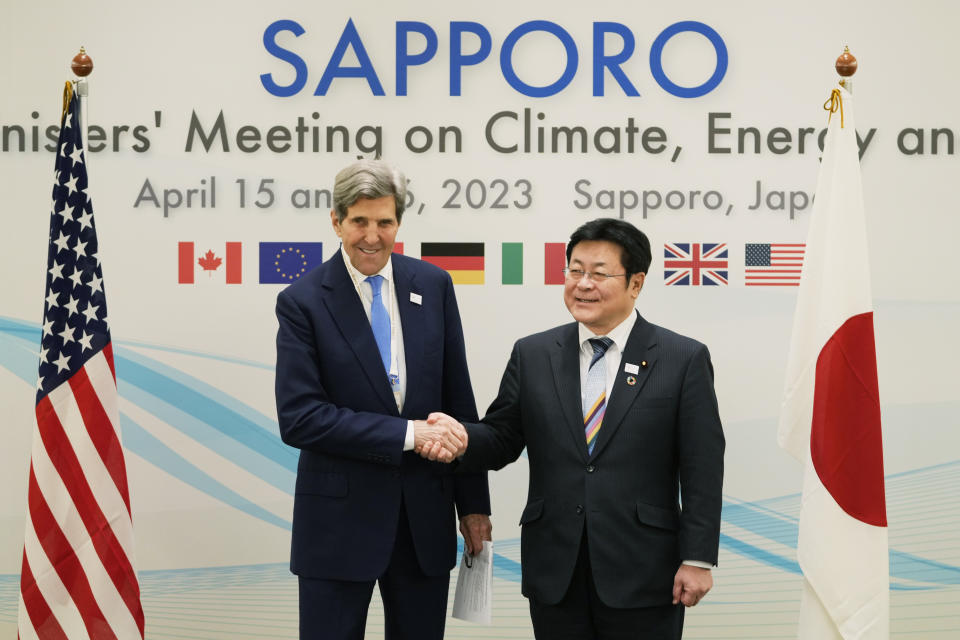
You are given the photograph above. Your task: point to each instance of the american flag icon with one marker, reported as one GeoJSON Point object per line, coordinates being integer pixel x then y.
{"type": "Point", "coordinates": [773, 264]}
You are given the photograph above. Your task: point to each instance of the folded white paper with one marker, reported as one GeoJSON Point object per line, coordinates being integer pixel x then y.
{"type": "Point", "coordinates": [472, 599]}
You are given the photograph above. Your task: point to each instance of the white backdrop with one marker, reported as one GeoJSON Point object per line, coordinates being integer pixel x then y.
{"type": "Point", "coordinates": [211, 483]}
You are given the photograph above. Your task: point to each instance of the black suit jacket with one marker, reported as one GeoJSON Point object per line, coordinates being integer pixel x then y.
{"type": "Point", "coordinates": [661, 434]}
{"type": "Point", "coordinates": [334, 403]}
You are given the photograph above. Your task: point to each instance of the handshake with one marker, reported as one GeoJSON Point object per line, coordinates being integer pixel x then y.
{"type": "Point", "coordinates": [439, 438]}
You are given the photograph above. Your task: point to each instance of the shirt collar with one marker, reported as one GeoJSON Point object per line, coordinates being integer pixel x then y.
{"type": "Point", "coordinates": [619, 334]}
{"type": "Point", "coordinates": [386, 272]}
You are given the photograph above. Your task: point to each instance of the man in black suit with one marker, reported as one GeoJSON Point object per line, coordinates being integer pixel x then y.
{"type": "Point", "coordinates": [620, 422]}
{"type": "Point", "coordinates": [368, 344]}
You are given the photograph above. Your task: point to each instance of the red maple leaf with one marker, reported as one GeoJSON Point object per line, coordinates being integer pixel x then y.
{"type": "Point", "coordinates": [209, 261]}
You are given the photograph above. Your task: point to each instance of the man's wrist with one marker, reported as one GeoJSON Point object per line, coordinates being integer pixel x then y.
{"type": "Point", "coordinates": [698, 563]}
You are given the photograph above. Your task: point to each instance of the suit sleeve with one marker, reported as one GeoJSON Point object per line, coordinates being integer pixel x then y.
{"type": "Point", "coordinates": [308, 418]}
{"type": "Point", "coordinates": [471, 491]}
{"type": "Point", "coordinates": [498, 440]}
{"type": "Point", "coordinates": [700, 455]}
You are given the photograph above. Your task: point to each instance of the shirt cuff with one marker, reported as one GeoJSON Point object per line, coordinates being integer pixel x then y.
{"type": "Point", "coordinates": [697, 563]}
{"type": "Point", "coordinates": [408, 439]}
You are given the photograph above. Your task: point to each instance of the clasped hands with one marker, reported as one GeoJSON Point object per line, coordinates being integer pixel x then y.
{"type": "Point", "coordinates": [439, 438]}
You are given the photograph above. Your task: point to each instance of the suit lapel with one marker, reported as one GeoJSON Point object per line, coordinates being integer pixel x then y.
{"type": "Point", "coordinates": [565, 362]}
{"type": "Point", "coordinates": [411, 319]}
{"type": "Point", "coordinates": [640, 348]}
{"type": "Point", "coordinates": [340, 297]}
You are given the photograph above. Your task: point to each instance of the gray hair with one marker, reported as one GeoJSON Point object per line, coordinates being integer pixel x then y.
{"type": "Point", "coordinates": [368, 179]}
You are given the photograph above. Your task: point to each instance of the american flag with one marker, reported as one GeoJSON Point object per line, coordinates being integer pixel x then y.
{"type": "Point", "coordinates": [773, 265]}
{"type": "Point", "coordinates": [695, 264]}
{"type": "Point", "coordinates": [77, 578]}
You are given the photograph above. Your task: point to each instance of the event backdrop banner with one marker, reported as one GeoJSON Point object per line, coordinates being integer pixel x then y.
{"type": "Point", "coordinates": [215, 130]}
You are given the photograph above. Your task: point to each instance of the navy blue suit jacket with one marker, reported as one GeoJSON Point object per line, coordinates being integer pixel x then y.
{"type": "Point", "coordinates": [334, 403]}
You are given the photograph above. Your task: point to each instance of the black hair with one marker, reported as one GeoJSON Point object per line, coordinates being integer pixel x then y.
{"type": "Point", "coordinates": [635, 254]}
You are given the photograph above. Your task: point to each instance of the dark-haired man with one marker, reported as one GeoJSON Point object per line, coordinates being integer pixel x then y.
{"type": "Point", "coordinates": [620, 420]}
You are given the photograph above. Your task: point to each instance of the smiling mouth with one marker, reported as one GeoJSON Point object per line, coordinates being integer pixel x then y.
{"type": "Point", "coordinates": [368, 251]}
{"type": "Point", "coordinates": [585, 300]}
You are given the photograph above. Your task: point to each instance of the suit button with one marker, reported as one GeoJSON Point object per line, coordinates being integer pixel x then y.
{"type": "Point", "coordinates": [579, 509]}
{"type": "Point", "coordinates": [591, 468]}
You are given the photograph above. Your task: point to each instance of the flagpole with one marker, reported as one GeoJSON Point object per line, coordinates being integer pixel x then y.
{"type": "Point", "coordinates": [78, 575]}
{"type": "Point", "coordinates": [82, 66]}
{"type": "Point", "coordinates": [846, 66]}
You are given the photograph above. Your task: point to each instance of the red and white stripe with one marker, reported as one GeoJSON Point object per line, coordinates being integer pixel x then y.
{"type": "Point", "coordinates": [786, 262]}
{"type": "Point", "coordinates": [78, 578]}
{"type": "Point", "coordinates": [831, 413]}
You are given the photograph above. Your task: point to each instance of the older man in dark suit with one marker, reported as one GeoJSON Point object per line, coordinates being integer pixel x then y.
{"type": "Point", "coordinates": [369, 343]}
{"type": "Point", "coordinates": [620, 422]}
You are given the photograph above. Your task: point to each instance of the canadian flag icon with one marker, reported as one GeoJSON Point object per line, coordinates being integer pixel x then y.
{"type": "Point", "coordinates": [214, 264]}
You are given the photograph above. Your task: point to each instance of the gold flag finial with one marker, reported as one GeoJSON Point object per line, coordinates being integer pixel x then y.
{"type": "Point", "coordinates": [81, 65]}
{"type": "Point", "coordinates": [846, 64]}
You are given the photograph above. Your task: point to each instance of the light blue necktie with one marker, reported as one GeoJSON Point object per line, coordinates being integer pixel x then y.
{"type": "Point", "coordinates": [380, 320]}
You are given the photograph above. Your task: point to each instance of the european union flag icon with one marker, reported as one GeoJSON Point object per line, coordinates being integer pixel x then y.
{"type": "Point", "coordinates": [285, 262]}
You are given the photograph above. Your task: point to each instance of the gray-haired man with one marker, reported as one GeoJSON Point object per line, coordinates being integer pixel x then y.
{"type": "Point", "coordinates": [370, 343]}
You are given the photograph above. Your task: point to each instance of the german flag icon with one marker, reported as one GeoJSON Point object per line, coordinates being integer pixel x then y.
{"type": "Point", "coordinates": [462, 260]}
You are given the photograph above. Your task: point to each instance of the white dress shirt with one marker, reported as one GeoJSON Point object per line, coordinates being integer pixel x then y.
{"type": "Point", "coordinates": [388, 292]}
{"type": "Point", "coordinates": [611, 359]}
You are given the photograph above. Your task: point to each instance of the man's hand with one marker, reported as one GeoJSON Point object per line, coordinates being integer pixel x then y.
{"type": "Point", "coordinates": [691, 584]}
{"type": "Point", "coordinates": [475, 528]}
{"type": "Point", "coordinates": [439, 437]}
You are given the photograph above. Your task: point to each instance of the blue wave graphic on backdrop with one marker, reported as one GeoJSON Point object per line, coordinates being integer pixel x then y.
{"type": "Point", "coordinates": [199, 411]}
{"type": "Point", "coordinates": [249, 439]}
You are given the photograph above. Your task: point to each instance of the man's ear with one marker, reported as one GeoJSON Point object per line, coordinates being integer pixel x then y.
{"type": "Point", "coordinates": [335, 222]}
{"type": "Point", "coordinates": [636, 283]}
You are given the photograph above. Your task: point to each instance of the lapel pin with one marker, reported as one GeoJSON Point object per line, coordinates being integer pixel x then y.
{"type": "Point", "coordinates": [416, 298]}
{"type": "Point", "coordinates": [629, 367]}
{"type": "Point", "coordinates": [631, 380]}
{"type": "Point", "coordinates": [643, 363]}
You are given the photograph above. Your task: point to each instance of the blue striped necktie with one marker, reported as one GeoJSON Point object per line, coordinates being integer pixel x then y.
{"type": "Point", "coordinates": [595, 391]}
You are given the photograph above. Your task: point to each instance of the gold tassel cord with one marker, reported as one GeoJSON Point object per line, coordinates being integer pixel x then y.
{"type": "Point", "coordinates": [833, 104]}
{"type": "Point", "coordinates": [67, 95]}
